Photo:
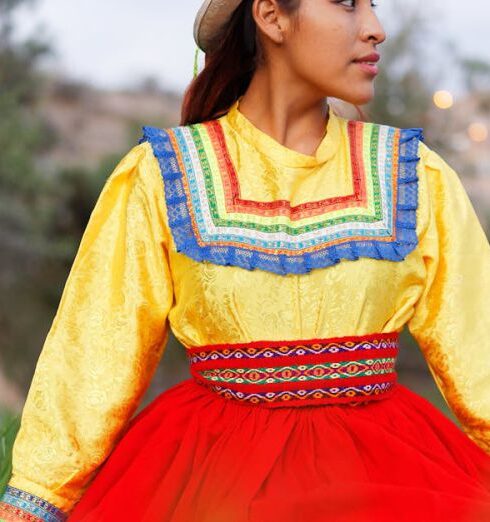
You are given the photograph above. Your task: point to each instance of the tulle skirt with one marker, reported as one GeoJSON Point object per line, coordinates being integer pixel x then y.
{"type": "Point", "coordinates": [192, 455]}
{"type": "Point", "coordinates": [196, 455]}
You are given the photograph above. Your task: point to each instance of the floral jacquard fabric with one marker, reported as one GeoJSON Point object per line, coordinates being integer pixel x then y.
{"type": "Point", "coordinates": [224, 235]}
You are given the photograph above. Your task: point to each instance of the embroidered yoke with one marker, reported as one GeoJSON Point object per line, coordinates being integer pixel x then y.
{"type": "Point", "coordinates": [211, 221]}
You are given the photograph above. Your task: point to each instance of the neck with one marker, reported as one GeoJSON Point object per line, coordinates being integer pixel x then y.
{"type": "Point", "coordinates": [283, 111]}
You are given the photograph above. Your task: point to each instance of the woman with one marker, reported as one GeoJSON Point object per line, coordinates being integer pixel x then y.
{"type": "Point", "coordinates": [287, 247]}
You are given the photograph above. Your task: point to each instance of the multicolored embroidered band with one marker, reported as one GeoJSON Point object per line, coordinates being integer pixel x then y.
{"type": "Point", "coordinates": [335, 370]}
{"type": "Point", "coordinates": [211, 222]}
{"type": "Point", "coordinates": [16, 505]}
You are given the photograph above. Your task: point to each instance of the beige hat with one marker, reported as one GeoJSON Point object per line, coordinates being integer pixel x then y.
{"type": "Point", "coordinates": [210, 18]}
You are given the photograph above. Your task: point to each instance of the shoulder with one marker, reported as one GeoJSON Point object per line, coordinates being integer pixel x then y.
{"type": "Point", "coordinates": [437, 173]}
{"type": "Point", "coordinates": [137, 173]}
{"type": "Point", "coordinates": [441, 188]}
{"type": "Point", "coordinates": [129, 163]}
{"type": "Point", "coordinates": [435, 163]}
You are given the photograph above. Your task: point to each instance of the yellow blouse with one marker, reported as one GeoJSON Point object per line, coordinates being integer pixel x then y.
{"type": "Point", "coordinates": [128, 285]}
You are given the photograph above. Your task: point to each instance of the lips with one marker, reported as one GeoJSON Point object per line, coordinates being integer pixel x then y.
{"type": "Point", "coordinates": [370, 59]}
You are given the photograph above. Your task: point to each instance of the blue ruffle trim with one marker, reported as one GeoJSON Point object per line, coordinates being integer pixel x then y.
{"type": "Point", "coordinates": [32, 504]}
{"type": "Point", "coordinates": [248, 258]}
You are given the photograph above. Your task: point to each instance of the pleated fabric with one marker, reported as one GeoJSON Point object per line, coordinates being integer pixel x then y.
{"type": "Point", "coordinates": [194, 456]}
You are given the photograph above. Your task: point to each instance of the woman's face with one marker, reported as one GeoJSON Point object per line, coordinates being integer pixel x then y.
{"type": "Point", "coordinates": [320, 47]}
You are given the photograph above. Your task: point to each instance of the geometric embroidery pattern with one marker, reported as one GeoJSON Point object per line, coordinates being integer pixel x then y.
{"type": "Point", "coordinates": [210, 221]}
{"type": "Point", "coordinates": [17, 504]}
{"type": "Point", "coordinates": [350, 369]}
{"type": "Point", "coordinates": [302, 373]}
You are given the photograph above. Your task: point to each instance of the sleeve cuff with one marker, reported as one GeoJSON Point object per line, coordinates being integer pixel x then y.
{"type": "Point", "coordinates": [17, 504]}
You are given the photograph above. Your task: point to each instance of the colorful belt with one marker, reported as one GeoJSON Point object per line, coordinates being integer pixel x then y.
{"type": "Point", "coordinates": [334, 370]}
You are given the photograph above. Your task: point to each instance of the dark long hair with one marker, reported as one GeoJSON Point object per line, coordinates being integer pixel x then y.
{"type": "Point", "coordinates": [229, 66]}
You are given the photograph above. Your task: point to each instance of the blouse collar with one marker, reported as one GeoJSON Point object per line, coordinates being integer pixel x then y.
{"type": "Point", "coordinates": [279, 153]}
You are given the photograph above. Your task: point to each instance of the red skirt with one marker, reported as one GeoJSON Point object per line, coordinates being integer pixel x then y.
{"type": "Point", "coordinates": [246, 440]}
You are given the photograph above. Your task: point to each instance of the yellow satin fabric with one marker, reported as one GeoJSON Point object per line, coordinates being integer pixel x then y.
{"type": "Point", "coordinates": [128, 285]}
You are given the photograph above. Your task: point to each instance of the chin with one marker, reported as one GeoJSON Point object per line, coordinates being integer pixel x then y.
{"type": "Point", "coordinates": [359, 98]}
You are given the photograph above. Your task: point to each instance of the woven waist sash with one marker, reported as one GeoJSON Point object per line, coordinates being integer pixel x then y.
{"type": "Point", "coordinates": [333, 370]}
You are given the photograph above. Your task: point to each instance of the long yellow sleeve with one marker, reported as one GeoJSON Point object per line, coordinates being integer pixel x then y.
{"type": "Point", "coordinates": [451, 322]}
{"type": "Point", "coordinates": [103, 347]}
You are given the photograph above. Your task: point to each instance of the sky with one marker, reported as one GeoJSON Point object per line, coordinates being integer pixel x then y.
{"type": "Point", "coordinates": [116, 43]}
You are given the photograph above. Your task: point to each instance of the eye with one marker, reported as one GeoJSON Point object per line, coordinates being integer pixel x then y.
{"type": "Point", "coordinates": [344, 1]}
{"type": "Point", "coordinates": [353, 2]}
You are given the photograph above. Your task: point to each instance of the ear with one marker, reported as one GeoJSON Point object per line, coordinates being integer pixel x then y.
{"type": "Point", "coordinates": [270, 20]}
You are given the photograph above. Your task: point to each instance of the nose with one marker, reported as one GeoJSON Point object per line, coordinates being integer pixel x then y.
{"type": "Point", "coordinates": [372, 27]}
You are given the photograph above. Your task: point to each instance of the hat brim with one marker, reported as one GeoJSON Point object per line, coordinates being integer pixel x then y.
{"type": "Point", "coordinates": [211, 17]}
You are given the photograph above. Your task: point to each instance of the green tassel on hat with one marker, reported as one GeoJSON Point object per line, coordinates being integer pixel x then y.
{"type": "Point", "coordinates": [196, 66]}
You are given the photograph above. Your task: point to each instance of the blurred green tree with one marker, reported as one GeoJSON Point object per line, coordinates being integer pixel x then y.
{"type": "Point", "coordinates": [22, 136]}
{"type": "Point", "coordinates": [476, 75]}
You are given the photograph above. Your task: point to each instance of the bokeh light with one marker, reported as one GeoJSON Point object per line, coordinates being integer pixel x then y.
{"type": "Point", "coordinates": [443, 99]}
{"type": "Point", "coordinates": [478, 131]}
